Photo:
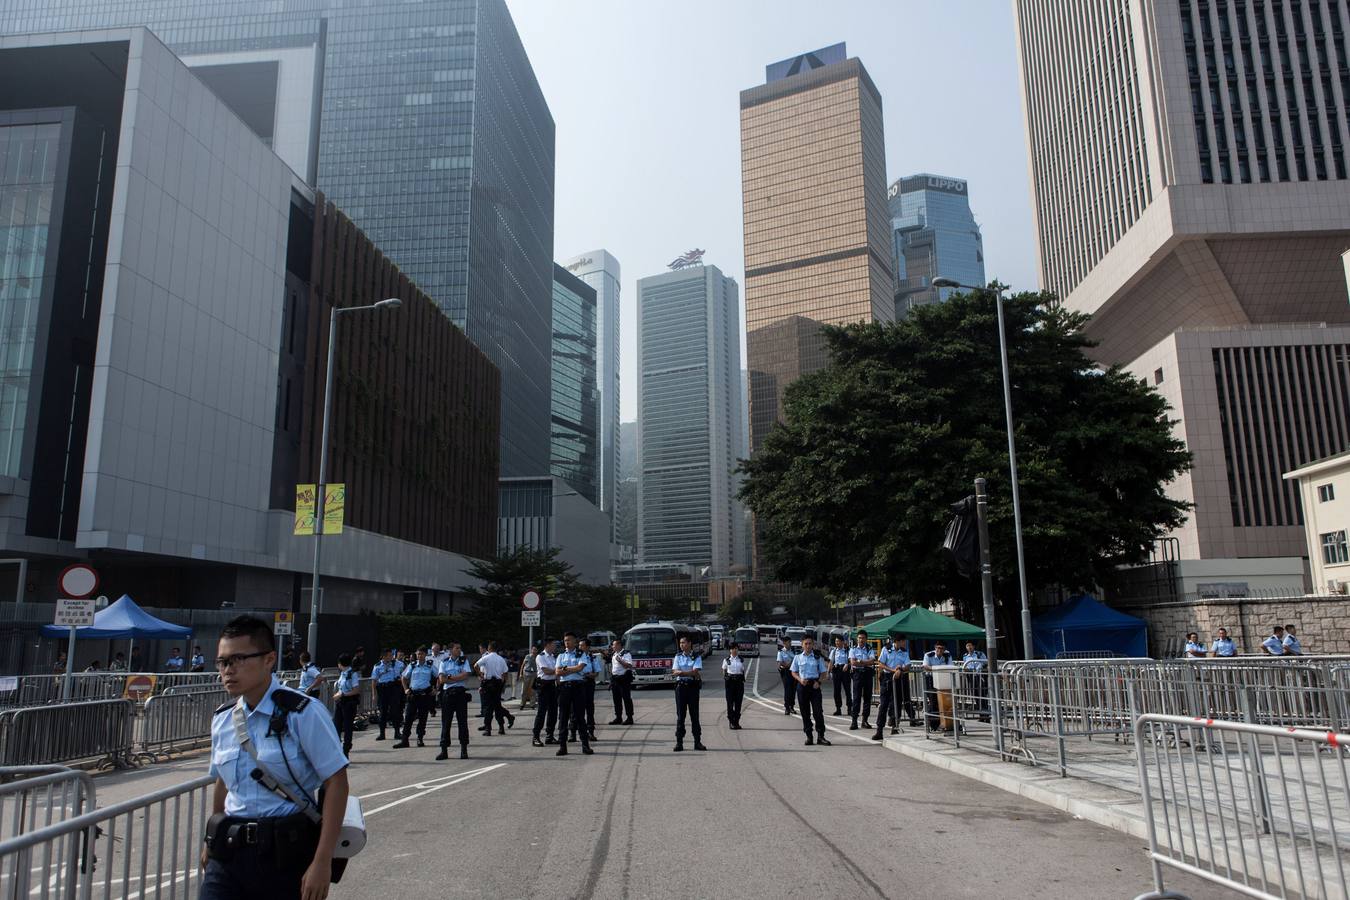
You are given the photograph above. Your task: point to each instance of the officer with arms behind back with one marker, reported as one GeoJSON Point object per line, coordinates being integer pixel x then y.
{"type": "Point", "coordinates": [807, 670]}
{"type": "Point", "coordinates": [785, 675]}
{"type": "Point", "coordinates": [687, 668]}
{"type": "Point", "coordinates": [453, 677]}
{"type": "Point", "coordinates": [388, 688]}
{"type": "Point", "coordinates": [259, 844]}
{"type": "Point", "coordinates": [417, 685]}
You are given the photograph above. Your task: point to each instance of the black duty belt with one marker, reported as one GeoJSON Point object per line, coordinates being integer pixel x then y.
{"type": "Point", "coordinates": [731, 677]}
{"type": "Point", "coordinates": [421, 692]}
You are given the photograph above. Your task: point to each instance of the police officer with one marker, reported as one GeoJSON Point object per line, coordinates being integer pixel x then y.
{"type": "Point", "coordinates": [453, 675]}
{"type": "Point", "coordinates": [1292, 647]}
{"type": "Point", "coordinates": [807, 669]}
{"type": "Point", "coordinates": [310, 676]}
{"type": "Point", "coordinates": [492, 671]}
{"type": "Point", "coordinates": [386, 673]}
{"type": "Point", "coordinates": [1195, 649]}
{"type": "Point", "coordinates": [785, 675]}
{"type": "Point", "coordinates": [198, 660]}
{"type": "Point", "coordinates": [687, 669]}
{"type": "Point", "coordinates": [621, 683]}
{"type": "Point", "coordinates": [258, 842]}
{"type": "Point", "coordinates": [843, 685]}
{"type": "Point", "coordinates": [571, 666]}
{"type": "Point", "coordinates": [588, 679]}
{"type": "Point", "coordinates": [546, 695]}
{"type": "Point", "coordinates": [861, 662]}
{"type": "Point", "coordinates": [1223, 645]}
{"type": "Point", "coordinates": [938, 656]}
{"type": "Point", "coordinates": [417, 691]}
{"type": "Point", "coordinates": [975, 669]}
{"type": "Point", "coordinates": [890, 660]}
{"type": "Point", "coordinates": [347, 695]}
{"type": "Point", "coordinates": [1274, 645]}
{"type": "Point", "coordinates": [903, 696]}
{"type": "Point", "coordinates": [733, 676]}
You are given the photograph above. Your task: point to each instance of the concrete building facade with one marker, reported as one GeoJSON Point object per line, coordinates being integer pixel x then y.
{"type": "Point", "coordinates": [689, 419]}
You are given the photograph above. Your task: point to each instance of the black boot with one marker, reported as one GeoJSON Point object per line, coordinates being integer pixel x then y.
{"type": "Point", "coordinates": [420, 743]}
{"type": "Point", "coordinates": [444, 754]}
{"type": "Point", "coordinates": [809, 742]}
{"type": "Point", "coordinates": [401, 745]}
{"type": "Point", "coordinates": [821, 740]}
{"type": "Point", "coordinates": [536, 742]}
{"type": "Point", "coordinates": [463, 752]}
{"type": "Point", "coordinates": [616, 721]}
{"type": "Point", "coordinates": [878, 736]}
{"type": "Point", "coordinates": [380, 737]}
{"type": "Point", "coordinates": [698, 745]}
{"type": "Point", "coordinates": [679, 746]}
{"type": "Point", "coordinates": [854, 726]}
{"type": "Point", "coordinates": [586, 749]}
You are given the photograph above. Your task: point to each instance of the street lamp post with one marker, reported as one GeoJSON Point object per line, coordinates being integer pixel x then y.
{"type": "Point", "coordinates": [997, 293]}
{"type": "Point", "coordinates": [320, 488]}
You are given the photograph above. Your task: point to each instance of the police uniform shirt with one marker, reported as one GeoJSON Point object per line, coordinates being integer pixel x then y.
{"type": "Point", "coordinates": [546, 663]}
{"type": "Point", "coordinates": [385, 672]}
{"type": "Point", "coordinates": [892, 658]}
{"type": "Point", "coordinates": [839, 656]}
{"type": "Point", "coordinates": [451, 667]}
{"type": "Point", "coordinates": [594, 665]}
{"type": "Point", "coordinates": [419, 675]}
{"type": "Point", "coordinates": [569, 658]}
{"type": "Point", "coordinates": [1195, 646]}
{"type": "Point", "coordinates": [808, 667]}
{"type": "Point", "coordinates": [860, 654]}
{"type": "Point", "coordinates": [311, 748]}
{"type": "Point", "coordinates": [931, 658]}
{"type": "Point", "coordinates": [1274, 645]}
{"type": "Point", "coordinates": [198, 661]}
{"type": "Point", "coordinates": [785, 655]}
{"type": "Point", "coordinates": [348, 680]}
{"type": "Point", "coordinates": [1224, 647]}
{"type": "Point", "coordinates": [1292, 645]}
{"type": "Point", "coordinates": [174, 663]}
{"type": "Point", "coordinates": [615, 667]}
{"type": "Point", "coordinates": [684, 662]}
{"type": "Point", "coordinates": [974, 661]}
{"type": "Point", "coordinates": [733, 665]}
{"type": "Point", "coordinates": [491, 665]}
{"type": "Point", "coordinates": [308, 675]}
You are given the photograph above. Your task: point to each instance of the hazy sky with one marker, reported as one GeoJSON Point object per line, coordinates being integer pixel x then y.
{"type": "Point", "coordinates": [645, 97]}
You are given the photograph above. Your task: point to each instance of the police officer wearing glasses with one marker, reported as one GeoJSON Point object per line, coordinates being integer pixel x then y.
{"type": "Point", "coordinates": [258, 842]}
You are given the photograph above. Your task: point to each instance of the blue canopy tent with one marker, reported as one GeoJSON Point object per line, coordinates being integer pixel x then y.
{"type": "Point", "coordinates": [123, 619]}
{"type": "Point", "coordinates": [1084, 624]}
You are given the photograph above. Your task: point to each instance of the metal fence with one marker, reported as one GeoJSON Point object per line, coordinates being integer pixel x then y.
{"type": "Point", "coordinates": [37, 690]}
{"type": "Point", "coordinates": [98, 729]}
{"type": "Point", "coordinates": [33, 797]}
{"type": "Point", "coordinates": [1261, 810]}
{"type": "Point", "coordinates": [177, 720]}
{"type": "Point", "coordinates": [148, 846]}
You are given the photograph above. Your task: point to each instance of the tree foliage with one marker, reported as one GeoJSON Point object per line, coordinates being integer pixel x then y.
{"type": "Point", "coordinates": [852, 491]}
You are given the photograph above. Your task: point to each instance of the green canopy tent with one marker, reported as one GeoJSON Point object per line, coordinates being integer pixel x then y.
{"type": "Point", "coordinates": [924, 624]}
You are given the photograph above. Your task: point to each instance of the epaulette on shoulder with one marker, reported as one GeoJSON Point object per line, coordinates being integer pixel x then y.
{"type": "Point", "coordinates": [289, 701]}
{"type": "Point", "coordinates": [224, 707]}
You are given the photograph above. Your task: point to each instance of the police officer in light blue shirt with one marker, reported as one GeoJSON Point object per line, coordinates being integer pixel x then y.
{"type": "Point", "coordinates": [861, 661]}
{"type": "Point", "coordinates": [807, 669]}
{"type": "Point", "coordinates": [310, 676]}
{"type": "Point", "coordinates": [687, 669]}
{"type": "Point", "coordinates": [785, 675]}
{"type": "Point", "coordinates": [346, 697]}
{"type": "Point", "coordinates": [1292, 647]}
{"type": "Point", "coordinates": [417, 677]}
{"type": "Point", "coordinates": [453, 677]}
{"type": "Point", "coordinates": [1274, 645]}
{"type": "Point", "coordinates": [843, 685]}
{"type": "Point", "coordinates": [887, 662]}
{"type": "Point", "coordinates": [571, 667]}
{"type": "Point", "coordinates": [255, 845]}
{"type": "Point", "coordinates": [1223, 646]}
{"type": "Point", "coordinates": [1194, 648]}
{"type": "Point", "coordinates": [388, 689]}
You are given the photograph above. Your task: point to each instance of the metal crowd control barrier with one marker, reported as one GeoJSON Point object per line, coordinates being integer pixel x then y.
{"type": "Point", "coordinates": [57, 733]}
{"type": "Point", "coordinates": [146, 847]}
{"type": "Point", "coordinates": [33, 797]}
{"type": "Point", "coordinates": [1264, 811]}
{"type": "Point", "coordinates": [37, 690]}
{"type": "Point", "coordinates": [174, 722]}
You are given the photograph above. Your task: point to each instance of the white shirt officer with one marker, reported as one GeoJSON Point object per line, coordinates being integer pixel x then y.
{"type": "Point", "coordinates": [569, 658]}
{"type": "Point", "coordinates": [419, 675]}
{"type": "Point", "coordinates": [1224, 647]}
{"type": "Point", "coordinates": [451, 667]}
{"type": "Point", "coordinates": [733, 665]}
{"type": "Point", "coordinates": [685, 662]}
{"type": "Point", "coordinates": [546, 663]}
{"type": "Point", "coordinates": [808, 667]}
{"type": "Point", "coordinates": [491, 665]}
{"type": "Point", "coordinates": [616, 663]}
{"type": "Point", "coordinates": [1292, 645]}
{"type": "Point", "coordinates": [311, 729]}
{"type": "Point", "coordinates": [1274, 646]}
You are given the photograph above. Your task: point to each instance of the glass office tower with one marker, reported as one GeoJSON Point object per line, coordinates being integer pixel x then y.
{"type": "Point", "coordinates": [575, 415]}
{"type": "Point", "coordinates": [935, 234]}
{"type": "Point", "coordinates": [433, 136]}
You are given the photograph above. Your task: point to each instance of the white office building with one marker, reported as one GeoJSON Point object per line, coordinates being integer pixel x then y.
{"type": "Point", "coordinates": [690, 419]}
{"type": "Point", "coordinates": [600, 270]}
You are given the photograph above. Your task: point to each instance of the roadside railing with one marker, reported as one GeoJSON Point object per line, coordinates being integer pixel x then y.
{"type": "Point", "coordinates": [1258, 809]}
{"type": "Point", "coordinates": [34, 797]}
{"type": "Point", "coordinates": [146, 847]}
{"type": "Point", "coordinates": [38, 690]}
{"type": "Point", "coordinates": [177, 720]}
{"type": "Point", "coordinates": [97, 729]}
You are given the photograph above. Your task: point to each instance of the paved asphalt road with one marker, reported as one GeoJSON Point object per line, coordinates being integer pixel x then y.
{"type": "Point", "coordinates": [758, 815]}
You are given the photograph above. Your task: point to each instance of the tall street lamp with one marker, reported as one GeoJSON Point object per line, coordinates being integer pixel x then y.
{"type": "Point", "coordinates": [997, 293]}
{"type": "Point", "coordinates": [314, 594]}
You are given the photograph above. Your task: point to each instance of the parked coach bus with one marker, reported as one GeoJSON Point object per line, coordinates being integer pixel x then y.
{"type": "Point", "coordinates": [654, 645]}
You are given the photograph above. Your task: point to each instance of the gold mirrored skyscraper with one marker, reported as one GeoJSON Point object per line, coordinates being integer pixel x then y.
{"type": "Point", "coordinates": [817, 228]}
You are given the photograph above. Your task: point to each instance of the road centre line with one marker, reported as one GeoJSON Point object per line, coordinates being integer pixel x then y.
{"type": "Point", "coordinates": [458, 778]}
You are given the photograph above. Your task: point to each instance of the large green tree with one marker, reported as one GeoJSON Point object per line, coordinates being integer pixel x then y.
{"type": "Point", "coordinates": [503, 579]}
{"type": "Point", "coordinates": [853, 490]}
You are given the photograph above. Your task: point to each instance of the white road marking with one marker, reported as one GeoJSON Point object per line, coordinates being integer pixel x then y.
{"type": "Point", "coordinates": [758, 698]}
{"type": "Point", "coordinates": [426, 783]}
{"type": "Point", "coordinates": [459, 779]}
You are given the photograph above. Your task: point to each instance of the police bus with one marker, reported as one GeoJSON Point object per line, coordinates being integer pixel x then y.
{"type": "Point", "coordinates": [654, 645]}
{"type": "Point", "coordinates": [747, 639]}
